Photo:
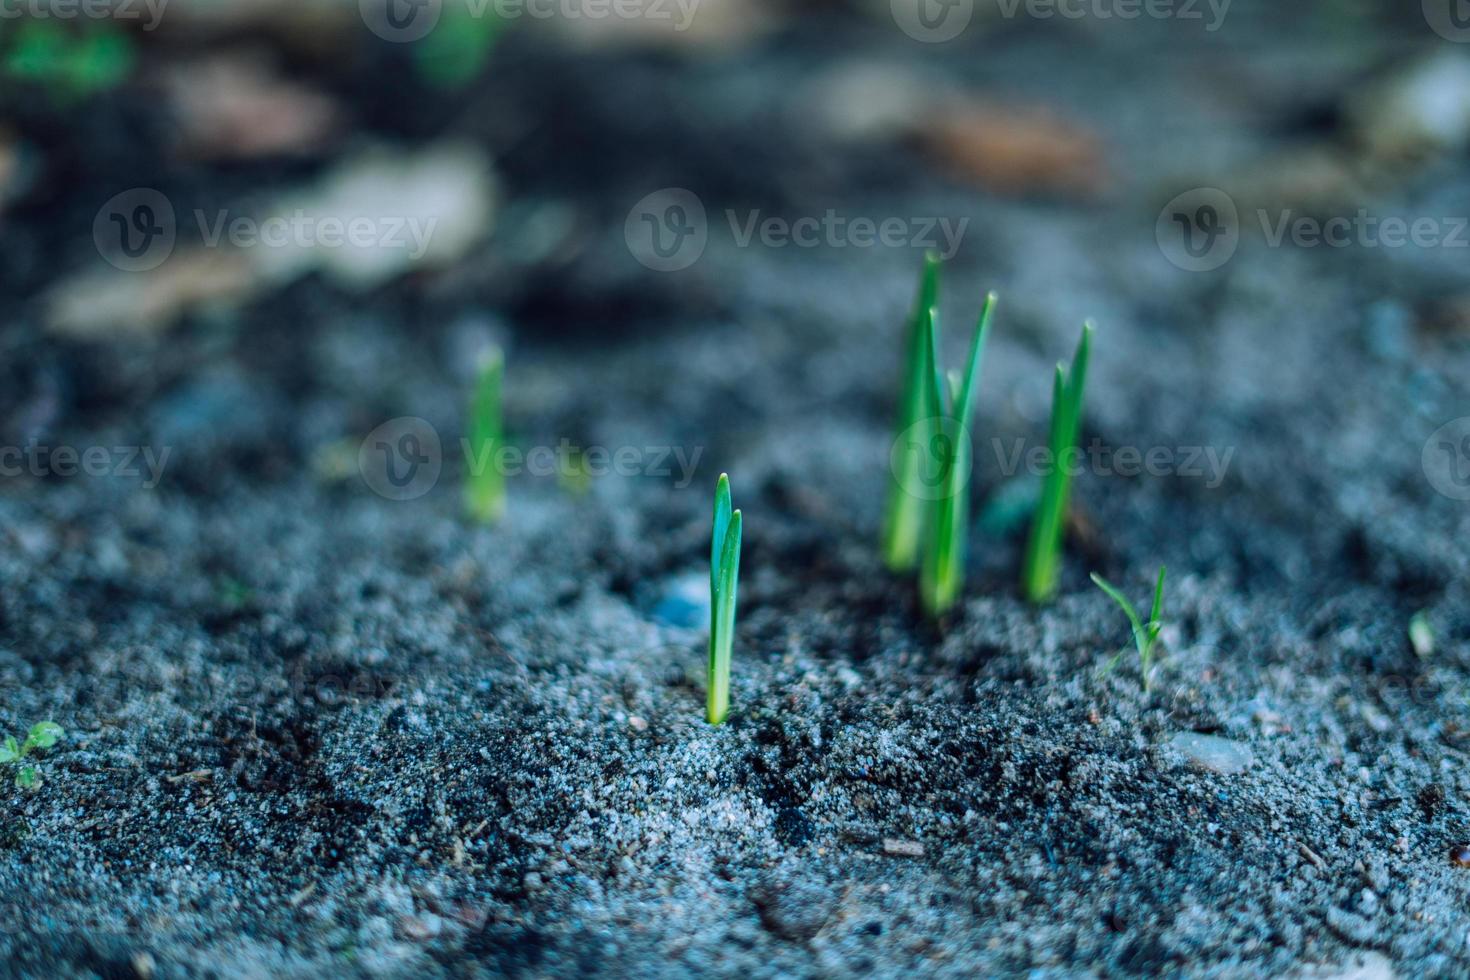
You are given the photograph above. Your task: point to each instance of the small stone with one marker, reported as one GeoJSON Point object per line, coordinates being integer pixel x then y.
{"type": "Point", "coordinates": [902, 848]}
{"type": "Point", "coordinates": [1460, 855]}
{"type": "Point", "coordinates": [1212, 753]}
{"type": "Point", "coordinates": [637, 724]}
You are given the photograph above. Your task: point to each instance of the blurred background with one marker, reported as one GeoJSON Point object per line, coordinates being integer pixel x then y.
{"type": "Point", "coordinates": [254, 230]}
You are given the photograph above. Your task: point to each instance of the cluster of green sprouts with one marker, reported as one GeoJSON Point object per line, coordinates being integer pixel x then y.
{"type": "Point", "coordinates": [929, 504]}
{"type": "Point", "coordinates": [926, 525]}
{"type": "Point", "coordinates": [42, 735]}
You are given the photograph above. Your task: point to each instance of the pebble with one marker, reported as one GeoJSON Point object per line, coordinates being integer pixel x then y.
{"type": "Point", "coordinates": [1212, 753]}
{"type": "Point", "coordinates": [684, 602]}
{"type": "Point", "coordinates": [902, 848]}
{"type": "Point", "coordinates": [1460, 855]}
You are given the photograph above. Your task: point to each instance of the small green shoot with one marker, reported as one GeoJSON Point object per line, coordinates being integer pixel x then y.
{"type": "Point", "coordinates": [1043, 550]}
{"type": "Point", "coordinates": [1421, 635]}
{"type": "Point", "coordinates": [942, 576]}
{"type": "Point", "coordinates": [724, 575]}
{"type": "Point", "coordinates": [42, 735]}
{"type": "Point", "coordinates": [1145, 635]}
{"type": "Point", "coordinates": [904, 526]}
{"type": "Point", "coordinates": [485, 484]}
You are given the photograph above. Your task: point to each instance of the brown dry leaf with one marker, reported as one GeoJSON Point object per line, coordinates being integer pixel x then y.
{"type": "Point", "coordinates": [232, 106]}
{"type": "Point", "coordinates": [1018, 150]}
{"type": "Point", "coordinates": [101, 304]}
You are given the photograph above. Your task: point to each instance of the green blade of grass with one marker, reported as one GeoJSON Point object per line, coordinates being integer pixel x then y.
{"type": "Point", "coordinates": [1156, 614]}
{"type": "Point", "coordinates": [1145, 635]}
{"type": "Point", "coordinates": [717, 537]}
{"type": "Point", "coordinates": [1043, 550]}
{"type": "Point", "coordinates": [485, 486]}
{"type": "Point", "coordinates": [903, 525]}
{"type": "Point", "coordinates": [942, 575]}
{"type": "Point", "coordinates": [722, 625]}
{"type": "Point", "coordinates": [1123, 604]}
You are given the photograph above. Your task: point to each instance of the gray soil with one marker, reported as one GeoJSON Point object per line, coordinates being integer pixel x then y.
{"type": "Point", "coordinates": [312, 731]}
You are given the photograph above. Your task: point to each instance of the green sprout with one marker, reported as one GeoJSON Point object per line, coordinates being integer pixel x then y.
{"type": "Point", "coordinates": [485, 488]}
{"type": "Point", "coordinates": [70, 64]}
{"type": "Point", "coordinates": [1421, 634]}
{"type": "Point", "coordinates": [1043, 550]}
{"type": "Point", "coordinates": [42, 735]}
{"type": "Point", "coordinates": [904, 526]}
{"type": "Point", "coordinates": [942, 575]}
{"type": "Point", "coordinates": [724, 574]}
{"type": "Point", "coordinates": [1145, 635]}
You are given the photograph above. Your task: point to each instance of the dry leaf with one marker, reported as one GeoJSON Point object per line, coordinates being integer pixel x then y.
{"type": "Point", "coordinates": [1018, 150]}
{"type": "Point", "coordinates": [231, 106]}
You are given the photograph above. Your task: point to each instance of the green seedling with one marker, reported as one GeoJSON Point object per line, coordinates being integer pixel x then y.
{"type": "Point", "coordinates": [42, 735]}
{"type": "Point", "coordinates": [485, 486]}
{"type": "Point", "coordinates": [1145, 635]}
{"type": "Point", "coordinates": [942, 575]}
{"type": "Point", "coordinates": [69, 64]}
{"type": "Point", "coordinates": [1421, 635]}
{"type": "Point", "coordinates": [903, 527]}
{"type": "Point", "coordinates": [1043, 550]}
{"type": "Point", "coordinates": [724, 575]}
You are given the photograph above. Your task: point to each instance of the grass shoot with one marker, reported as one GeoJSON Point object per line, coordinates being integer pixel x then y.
{"type": "Point", "coordinates": [485, 484]}
{"type": "Point", "coordinates": [942, 575]}
{"type": "Point", "coordinates": [1043, 551]}
{"type": "Point", "coordinates": [1145, 635]}
{"type": "Point", "coordinates": [724, 574]}
{"type": "Point", "coordinates": [904, 524]}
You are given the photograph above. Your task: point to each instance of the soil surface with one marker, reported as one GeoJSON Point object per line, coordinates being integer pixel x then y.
{"type": "Point", "coordinates": [311, 730]}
